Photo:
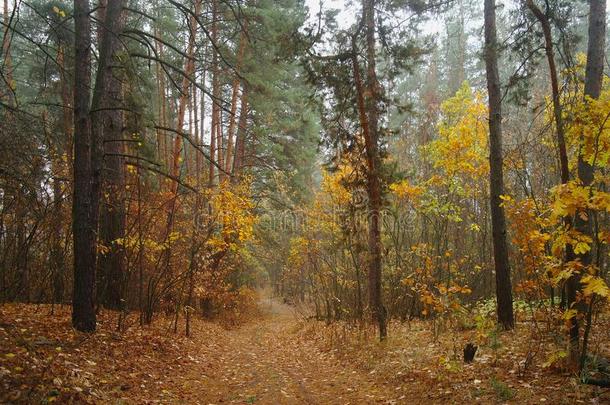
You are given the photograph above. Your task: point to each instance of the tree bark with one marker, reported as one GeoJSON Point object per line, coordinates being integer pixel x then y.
{"type": "Point", "coordinates": [496, 179]}
{"type": "Point", "coordinates": [557, 107]}
{"type": "Point", "coordinates": [83, 310]}
{"type": "Point", "coordinates": [189, 70]}
{"type": "Point", "coordinates": [57, 254]}
{"type": "Point", "coordinates": [6, 56]}
{"type": "Point", "coordinates": [593, 86]}
{"type": "Point", "coordinates": [233, 119]}
{"type": "Point", "coordinates": [214, 132]}
{"type": "Point", "coordinates": [56, 264]}
{"type": "Point", "coordinates": [162, 100]}
{"type": "Point", "coordinates": [557, 110]}
{"type": "Point", "coordinates": [368, 100]}
{"type": "Point", "coordinates": [112, 213]}
{"type": "Point", "coordinates": [240, 140]}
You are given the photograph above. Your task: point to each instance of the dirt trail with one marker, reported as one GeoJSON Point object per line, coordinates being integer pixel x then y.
{"type": "Point", "coordinates": [274, 359]}
{"type": "Point", "coordinates": [266, 363]}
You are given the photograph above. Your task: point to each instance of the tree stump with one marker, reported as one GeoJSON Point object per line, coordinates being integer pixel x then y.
{"type": "Point", "coordinates": [469, 352]}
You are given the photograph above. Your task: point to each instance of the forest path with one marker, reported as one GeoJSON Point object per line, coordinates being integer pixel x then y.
{"type": "Point", "coordinates": [266, 362]}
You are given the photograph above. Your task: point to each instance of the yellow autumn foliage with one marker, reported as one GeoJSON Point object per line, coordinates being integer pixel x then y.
{"type": "Point", "coordinates": [461, 149]}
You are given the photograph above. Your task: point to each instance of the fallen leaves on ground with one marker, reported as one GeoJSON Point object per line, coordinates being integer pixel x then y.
{"type": "Point", "coordinates": [274, 359]}
{"type": "Point", "coordinates": [429, 366]}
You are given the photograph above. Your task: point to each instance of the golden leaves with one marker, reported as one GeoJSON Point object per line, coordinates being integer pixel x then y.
{"type": "Point", "coordinates": [406, 190]}
{"type": "Point", "coordinates": [595, 285]}
{"type": "Point", "coordinates": [233, 207]}
{"type": "Point", "coordinates": [461, 149]}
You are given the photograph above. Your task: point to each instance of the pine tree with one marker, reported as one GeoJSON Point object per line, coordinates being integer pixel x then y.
{"type": "Point", "coordinates": [502, 267]}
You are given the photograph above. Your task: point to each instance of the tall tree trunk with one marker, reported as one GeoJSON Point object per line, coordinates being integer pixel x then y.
{"type": "Point", "coordinates": [557, 108]}
{"type": "Point", "coordinates": [64, 145]}
{"type": "Point", "coordinates": [189, 70]}
{"type": "Point", "coordinates": [112, 213]}
{"type": "Point", "coordinates": [162, 100]}
{"type": "Point", "coordinates": [83, 310]}
{"type": "Point", "coordinates": [56, 251]}
{"type": "Point", "coordinates": [593, 86]}
{"type": "Point", "coordinates": [234, 97]}
{"type": "Point", "coordinates": [89, 136]}
{"type": "Point", "coordinates": [215, 95]}
{"type": "Point", "coordinates": [220, 142]}
{"type": "Point", "coordinates": [196, 139]}
{"type": "Point", "coordinates": [496, 180]}
{"type": "Point", "coordinates": [368, 100]}
{"type": "Point", "coordinates": [202, 107]}
{"type": "Point", "coordinates": [240, 140]}
{"type": "Point", "coordinates": [6, 57]}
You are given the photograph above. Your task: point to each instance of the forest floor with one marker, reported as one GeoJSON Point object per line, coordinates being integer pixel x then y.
{"type": "Point", "coordinates": [276, 358]}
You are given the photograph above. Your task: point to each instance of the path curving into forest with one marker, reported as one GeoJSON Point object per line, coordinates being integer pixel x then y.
{"type": "Point", "coordinates": [274, 358]}
{"type": "Point", "coordinates": [266, 362]}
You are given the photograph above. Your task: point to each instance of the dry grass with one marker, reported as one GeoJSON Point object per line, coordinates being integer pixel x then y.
{"type": "Point", "coordinates": [508, 367]}
{"type": "Point", "coordinates": [276, 358]}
